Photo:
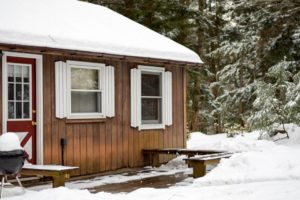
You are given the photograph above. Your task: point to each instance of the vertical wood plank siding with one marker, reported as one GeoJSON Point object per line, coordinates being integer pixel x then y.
{"type": "Point", "coordinates": [110, 144]}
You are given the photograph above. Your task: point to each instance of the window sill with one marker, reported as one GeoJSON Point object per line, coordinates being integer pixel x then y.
{"type": "Point", "coordinates": [151, 126]}
{"type": "Point", "coordinates": [84, 121]}
{"type": "Point", "coordinates": [85, 116]}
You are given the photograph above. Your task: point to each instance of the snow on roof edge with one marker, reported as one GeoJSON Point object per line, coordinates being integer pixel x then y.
{"type": "Point", "coordinates": [24, 45]}
{"type": "Point", "coordinates": [85, 27]}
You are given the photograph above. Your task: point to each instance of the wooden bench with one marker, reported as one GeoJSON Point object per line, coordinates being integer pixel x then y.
{"type": "Point", "coordinates": [58, 173]}
{"type": "Point", "coordinates": [151, 156]}
{"type": "Point", "coordinates": [199, 163]}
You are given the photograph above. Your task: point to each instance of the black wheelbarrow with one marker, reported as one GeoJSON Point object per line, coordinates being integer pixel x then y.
{"type": "Point", "coordinates": [11, 163]}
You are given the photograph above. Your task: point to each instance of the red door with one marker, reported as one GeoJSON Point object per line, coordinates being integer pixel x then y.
{"type": "Point", "coordinates": [21, 102]}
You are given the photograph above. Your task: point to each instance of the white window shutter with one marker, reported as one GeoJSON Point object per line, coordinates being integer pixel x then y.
{"type": "Point", "coordinates": [135, 83]}
{"type": "Point", "coordinates": [60, 89]}
{"type": "Point", "coordinates": [168, 99]}
{"type": "Point", "coordinates": [109, 104]}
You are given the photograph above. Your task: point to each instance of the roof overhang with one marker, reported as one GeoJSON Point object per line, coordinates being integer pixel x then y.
{"type": "Point", "coordinates": [95, 55]}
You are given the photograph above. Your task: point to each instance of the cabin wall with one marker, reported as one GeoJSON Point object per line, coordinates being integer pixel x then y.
{"type": "Point", "coordinates": [98, 146]}
{"type": "Point", "coordinates": [110, 144]}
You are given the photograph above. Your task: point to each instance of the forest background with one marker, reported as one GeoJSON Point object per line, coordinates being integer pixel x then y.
{"type": "Point", "coordinates": [251, 52]}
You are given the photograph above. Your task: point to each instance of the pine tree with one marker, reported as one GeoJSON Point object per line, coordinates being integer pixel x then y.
{"type": "Point", "coordinates": [243, 44]}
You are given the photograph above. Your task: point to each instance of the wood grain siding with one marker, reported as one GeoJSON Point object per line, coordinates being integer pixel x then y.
{"type": "Point", "coordinates": [97, 146]}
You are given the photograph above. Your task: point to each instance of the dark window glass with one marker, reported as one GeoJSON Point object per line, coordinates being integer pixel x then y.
{"type": "Point", "coordinates": [18, 92]}
{"type": "Point", "coordinates": [151, 111]}
{"type": "Point", "coordinates": [18, 110]}
{"type": "Point", "coordinates": [11, 91]}
{"type": "Point", "coordinates": [11, 110]}
{"type": "Point", "coordinates": [26, 110]}
{"type": "Point", "coordinates": [26, 92]}
{"type": "Point", "coordinates": [151, 85]}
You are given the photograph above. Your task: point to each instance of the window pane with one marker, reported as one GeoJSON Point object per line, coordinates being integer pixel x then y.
{"type": "Point", "coordinates": [18, 92]}
{"type": "Point", "coordinates": [151, 85]}
{"type": "Point", "coordinates": [26, 74]}
{"type": "Point", "coordinates": [11, 91]}
{"type": "Point", "coordinates": [151, 111]}
{"type": "Point", "coordinates": [26, 92]}
{"type": "Point", "coordinates": [18, 110]}
{"type": "Point", "coordinates": [11, 110]}
{"type": "Point", "coordinates": [10, 72]}
{"type": "Point", "coordinates": [18, 73]}
{"type": "Point", "coordinates": [26, 110]}
{"type": "Point", "coordinates": [84, 79]}
{"type": "Point", "coordinates": [86, 102]}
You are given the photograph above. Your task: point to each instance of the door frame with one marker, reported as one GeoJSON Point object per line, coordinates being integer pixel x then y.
{"type": "Point", "coordinates": [39, 97]}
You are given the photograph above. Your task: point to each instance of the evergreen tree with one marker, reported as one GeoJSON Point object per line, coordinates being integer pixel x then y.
{"type": "Point", "coordinates": [251, 74]}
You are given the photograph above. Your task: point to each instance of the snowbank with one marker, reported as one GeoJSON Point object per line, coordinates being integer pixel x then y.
{"type": "Point", "coordinates": [9, 142]}
{"type": "Point", "coordinates": [259, 160]}
{"type": "Point", "coordinates": [294, 133]}
{"type": "Point", "coordinates": [220, 142]}
{"type": "Point", "coordinates": [276, 163]}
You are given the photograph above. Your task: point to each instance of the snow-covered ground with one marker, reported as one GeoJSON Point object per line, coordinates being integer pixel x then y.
{"type": "Point", "coordinates": [260, 170]}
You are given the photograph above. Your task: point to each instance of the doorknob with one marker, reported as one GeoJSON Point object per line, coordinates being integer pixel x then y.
{"type": "Point", "coordinates": [33, 123]}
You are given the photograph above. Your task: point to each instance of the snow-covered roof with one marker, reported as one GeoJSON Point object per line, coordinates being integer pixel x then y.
{"type": "Point", "coordinates": [75, 25]}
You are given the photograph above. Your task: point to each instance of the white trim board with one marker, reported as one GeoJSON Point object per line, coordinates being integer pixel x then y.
{"type": "Point", "coordinates": [39, 98]}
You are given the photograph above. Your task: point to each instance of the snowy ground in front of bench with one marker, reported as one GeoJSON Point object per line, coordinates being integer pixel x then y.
{"type": "Point", "coordinates": [262, 170]}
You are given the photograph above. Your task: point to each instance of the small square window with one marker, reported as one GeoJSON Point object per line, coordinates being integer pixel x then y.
{"type": "Point", "coordinates": [85, 90]}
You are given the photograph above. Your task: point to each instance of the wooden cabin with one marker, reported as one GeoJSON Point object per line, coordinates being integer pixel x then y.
{"type": "Point", "coordinates": [85, 86]}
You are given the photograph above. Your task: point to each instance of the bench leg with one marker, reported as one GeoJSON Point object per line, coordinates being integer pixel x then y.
{"type": "Point", "coordinates": [155, 160]}
{"type": "Point", "coordinates": [58, 181]}
{"type": "Point", "coordinates": [151, 159]}
{"type": "Point", "coordinates": [147, 159]}
{"type": "Point", "coordinates": [199, 170]}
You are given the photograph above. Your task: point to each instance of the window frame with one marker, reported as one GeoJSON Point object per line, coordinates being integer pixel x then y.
{"type": "Point", "coordinates": [22, 83]}
{"type": "Point", "coordinates": [152, 70]}
{"type": "Point", "coordinates": [101, 77]}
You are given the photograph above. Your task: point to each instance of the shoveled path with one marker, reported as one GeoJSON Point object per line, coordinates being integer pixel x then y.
{"type": "Point", "coordinates": [163, 181]}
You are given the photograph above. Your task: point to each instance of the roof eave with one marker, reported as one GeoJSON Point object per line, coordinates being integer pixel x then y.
{"type": "Point", "coordinates": [68, 52]}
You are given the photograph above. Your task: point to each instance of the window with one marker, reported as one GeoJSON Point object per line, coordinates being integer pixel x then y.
{"type": "Point", "coordinates": [151, 97]}
{"type": "Point", "coordinates": [19, 90]}
{"type": "Point", "coordinates": [84, 90]}
{"type": "Point", "coordinates": [85, 84]}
